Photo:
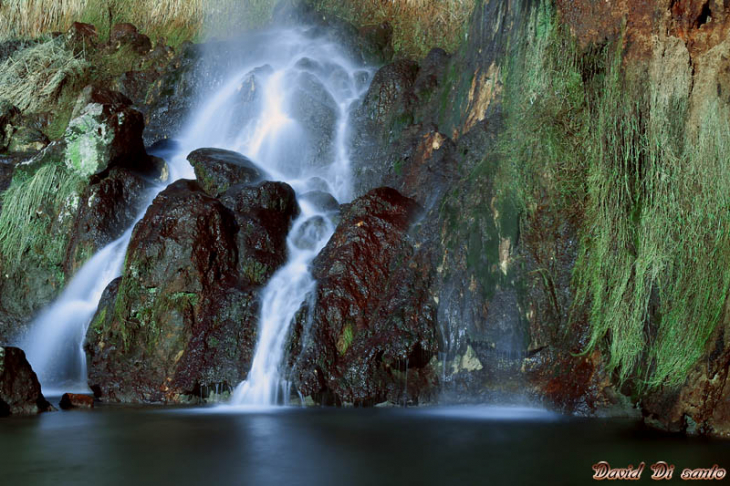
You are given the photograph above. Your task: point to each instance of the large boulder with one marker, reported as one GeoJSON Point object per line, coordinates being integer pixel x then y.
{"type": "Point", "coordinates": [20, 391]}
{"type": "Point", "coordinates": [370, 333]}
{"type": "Point", "coordinates": [389, 93]}
{"type": "Point", "coordinates": [217, 170]}
{"type": "Point", "coordinates": [182, 319]}
{"type": "Point", "coordinates": [181, 253]}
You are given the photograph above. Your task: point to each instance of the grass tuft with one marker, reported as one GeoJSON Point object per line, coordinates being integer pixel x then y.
{"type": "Point", "coordinates": [418, 25]}
{"type": "Point", "coordinates": [30, 207]}
{"type": "Point", "coordinates": [33, 78]}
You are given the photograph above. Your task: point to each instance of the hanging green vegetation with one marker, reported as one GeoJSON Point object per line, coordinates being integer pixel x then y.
{"type": "Point", "coordinates": [30, 208]}
{"type": "Point", "coordinates": [654, 263]}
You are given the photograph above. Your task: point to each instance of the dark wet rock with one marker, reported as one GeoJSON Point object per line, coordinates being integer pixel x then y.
{"type": "Point", "coordinates": [380, 37]}
{"type": "Point", "coordinates": [20, 392]}
{"type": "Point", "coordinates": [135, 84]}
{"type": "Point", "coordinates": [9, 47]}
{"type": "Point", "coordinates": [9, 116]}
{"type": "Point", "coordinates": [217, 170]}
{"type": "Point", "coordinates": [182, 254]}
{"type": "Point", "coordinates": [183, 316]}
{"type": "Point", "coordinates": [75, 400]}
{"type": "Point", "coordinates": [388, 95]}
{"type": "Point", "coordinates": [368, 332]}
{"type": "Point", "coordinates": [389, 149]}
{"type": "Point", "coordinates": [365, 45]}
{"type": "Point", "coordinates": [321, 200]}
{"type": "Point", "coordinates": [430, 79]}
{"type": "Point", "coordinates": [164, 147]}
{"type": "Point", "coordinates": [196, 69]}
{"type": "Point", "coordinates": [264, 214]}
{"type": "Point", "coordinates": [107, 208]}
{"type": "Point", "coordinates": [127, 35]}
{"type": "Point", "coordinates": [105, 132]}
{"type": "Point", "coordinates": [7, 168]}
{"type": "Point", "coordinates": [421, 164]}
{"type": "Point", "coordinates": [27, 140]}
{"type": "Point", "coordinates": [170, 98]}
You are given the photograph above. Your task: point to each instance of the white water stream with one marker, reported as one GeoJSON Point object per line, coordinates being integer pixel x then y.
{"type": "Point", "coordinates": [286, 108]}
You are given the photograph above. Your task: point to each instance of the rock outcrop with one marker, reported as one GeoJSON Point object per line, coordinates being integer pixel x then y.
{"type": "Point", "coordinates": [20, 392]}
{"type": "Point", "coordinates": [183, 316]}
{"type": "Point", "coordinates": [369, 334]}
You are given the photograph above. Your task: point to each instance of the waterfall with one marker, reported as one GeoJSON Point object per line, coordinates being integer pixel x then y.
{"type": "Point", "coordinates": [286, 107]}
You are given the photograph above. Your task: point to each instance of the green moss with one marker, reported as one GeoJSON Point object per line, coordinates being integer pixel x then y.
{"type": "Point", "coordinates": [98, 324]}
{"type": "Point", "coordinates": [345, 339]}
{"type": "Point", "coordinates": [398, 167]}
{"type": "Point", "coordinates": [255, 271]}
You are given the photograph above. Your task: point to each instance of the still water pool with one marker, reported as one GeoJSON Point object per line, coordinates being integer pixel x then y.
{"type": "Point", "coordinates": [113, 445]}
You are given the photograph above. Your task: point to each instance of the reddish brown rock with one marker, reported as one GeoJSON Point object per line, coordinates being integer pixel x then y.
{"type": "Point", "coordinates": [183, 317]}
{"type": "Point", "coordinates": [371, 331]}
{"type": "Point", "coordinates": [75, 400]}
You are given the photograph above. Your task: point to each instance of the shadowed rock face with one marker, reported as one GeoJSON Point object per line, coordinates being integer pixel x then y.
{"type": "Point", "coordinates": [20, 392]}
{"type": "Point", "coordinates": [107, 208]}
{"type": "Point", "coordinates": [366, 333]}
{"type": "Point", "coordinates": [184, 314]}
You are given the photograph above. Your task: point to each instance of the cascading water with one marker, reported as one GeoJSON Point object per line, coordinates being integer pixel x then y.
{"type": "Point", "coordinates": [285, 107]}
{"type": "Point", "coordinates": [54, 344]}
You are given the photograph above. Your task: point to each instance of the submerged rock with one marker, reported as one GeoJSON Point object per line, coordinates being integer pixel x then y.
{"type": "Point", "coordinates": [20, 392]}
{"type": "Point", "coordinates": [217, 170]}
{"type": "Point", "coordinates": [370, 337]}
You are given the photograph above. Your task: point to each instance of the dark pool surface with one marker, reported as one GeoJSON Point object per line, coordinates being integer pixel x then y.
{"type": "Point", "coordinates": [444, 446]}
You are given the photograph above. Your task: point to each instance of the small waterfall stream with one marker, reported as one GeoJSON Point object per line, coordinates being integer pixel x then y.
{"type": "Point", "coordinates": [286, 108]}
